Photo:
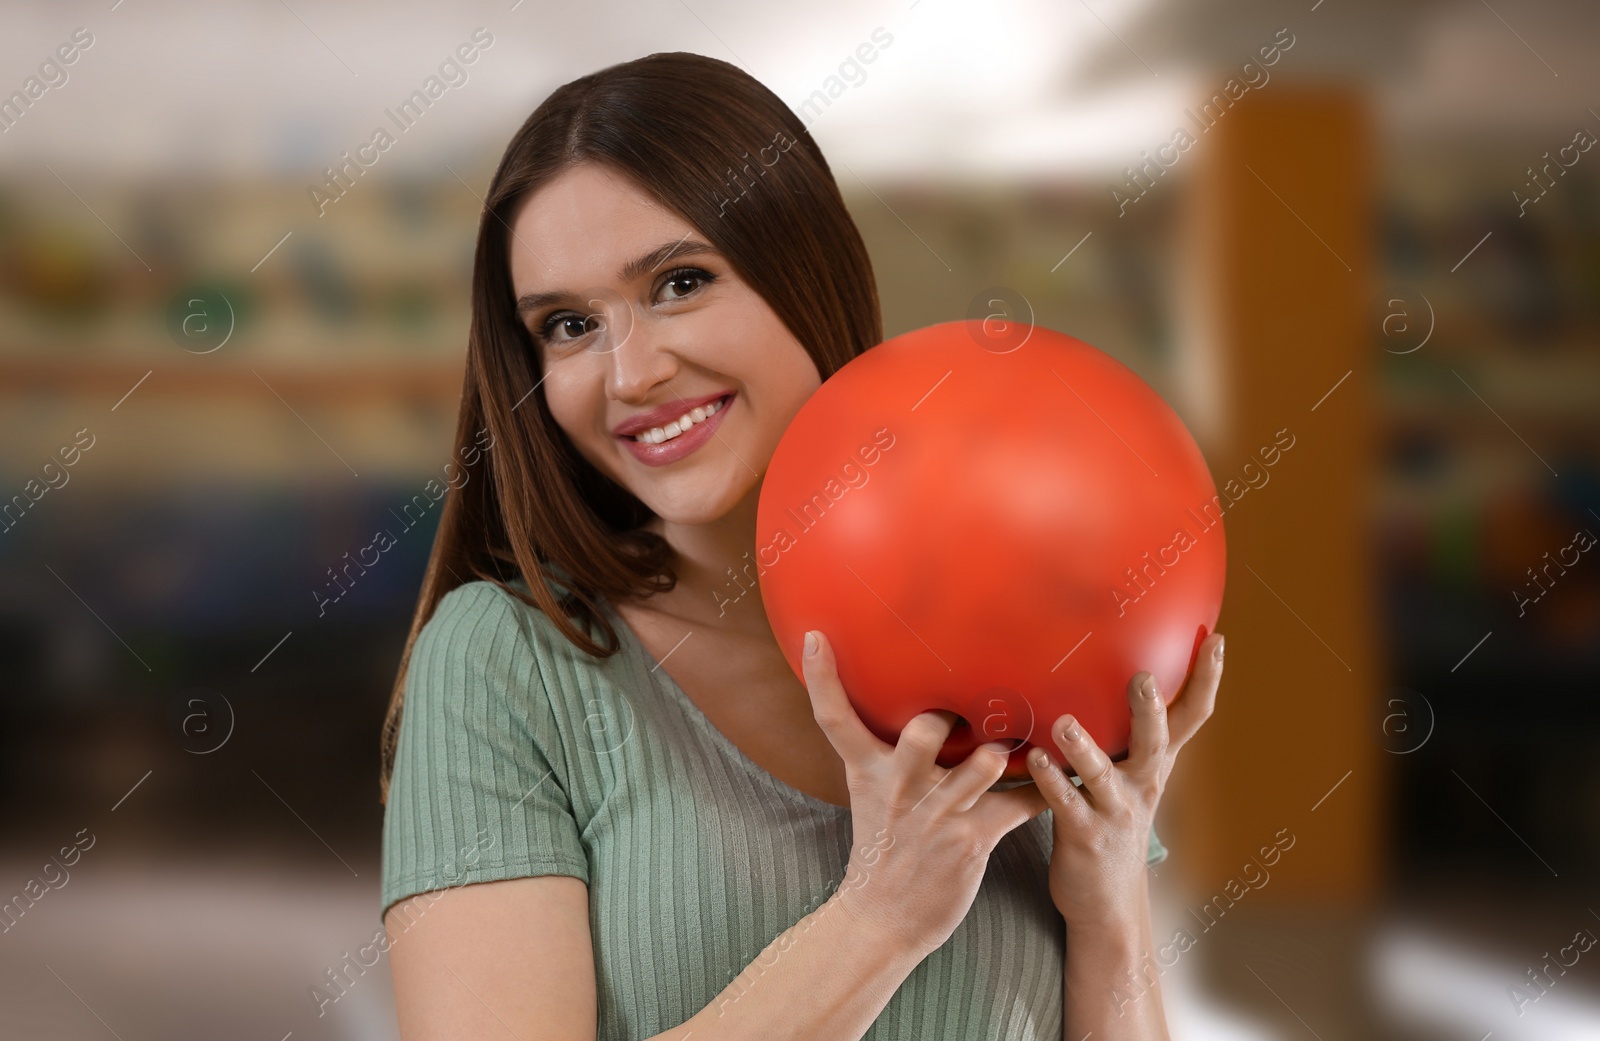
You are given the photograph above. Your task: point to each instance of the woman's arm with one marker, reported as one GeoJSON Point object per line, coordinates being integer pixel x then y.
{"type": "Point", "coordinates": [516, 956]}
{"type": "Point", "coordinates": [1109, 990]}
{"type": "Point", "coordinates": [1098, 878]}
{"type": "Point", "coordinates": [478, 960]}
{"type": "Point", "coordinates": [828, 976]}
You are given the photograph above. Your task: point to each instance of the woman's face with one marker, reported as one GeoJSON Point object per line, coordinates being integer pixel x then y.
{"type": "Point", "coordinates": [641, 322]}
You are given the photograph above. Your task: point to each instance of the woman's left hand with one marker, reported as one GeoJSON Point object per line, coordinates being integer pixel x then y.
{"type": "Point", "coordinates": [1102, 830]}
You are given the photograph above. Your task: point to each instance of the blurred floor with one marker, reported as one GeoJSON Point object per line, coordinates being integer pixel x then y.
{"type": "Point", "coordinates": [217, 945]}
{"type": "Point", "coordinates": [1430, 967]}
{"type": "Point", "coordinates": [229, 945]}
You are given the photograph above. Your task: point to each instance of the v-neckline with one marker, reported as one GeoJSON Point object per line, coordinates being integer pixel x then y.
{"type": "Point", "coordinates": [653, 668]}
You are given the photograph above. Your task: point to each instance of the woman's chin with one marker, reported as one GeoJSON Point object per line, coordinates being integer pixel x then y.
{"type": "Point", "coordinates": [690, 511]}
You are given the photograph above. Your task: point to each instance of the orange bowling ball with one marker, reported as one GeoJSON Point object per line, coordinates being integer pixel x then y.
{"type": "Point", "coordinates": [1006, 528]}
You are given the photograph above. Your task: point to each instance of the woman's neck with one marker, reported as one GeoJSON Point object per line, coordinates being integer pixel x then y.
{"type": "Point", "coordinates": [703, 556]}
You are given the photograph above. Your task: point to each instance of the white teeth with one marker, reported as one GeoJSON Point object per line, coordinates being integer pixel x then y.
{"type": "Point", "coordinates": [698, 414]}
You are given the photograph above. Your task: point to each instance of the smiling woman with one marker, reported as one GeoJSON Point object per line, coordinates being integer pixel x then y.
{"type": "Point", "coordinates": [668, 838]}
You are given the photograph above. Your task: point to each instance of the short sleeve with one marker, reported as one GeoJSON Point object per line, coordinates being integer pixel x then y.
{"type": "Point", "coordinates": [479, 789]}
{"type": "Point", "coordinates": [1155, 853]}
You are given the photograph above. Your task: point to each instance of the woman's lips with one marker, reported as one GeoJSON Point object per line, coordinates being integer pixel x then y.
{"type": "Point", "coordinates": [680, 446]}
{"type": "Point", "coordinates": [664, 414]}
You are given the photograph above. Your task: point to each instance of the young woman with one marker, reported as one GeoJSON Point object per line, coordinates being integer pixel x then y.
{"type": "Point", "coordinates": [613, 812]}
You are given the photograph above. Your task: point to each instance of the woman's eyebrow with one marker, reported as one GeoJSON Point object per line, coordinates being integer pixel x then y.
{"type": "Point", "coordinates": [684, 247]}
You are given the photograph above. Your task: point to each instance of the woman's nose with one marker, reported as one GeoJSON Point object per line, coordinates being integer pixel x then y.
{"type": "Point", "coordinates": [639, 357]}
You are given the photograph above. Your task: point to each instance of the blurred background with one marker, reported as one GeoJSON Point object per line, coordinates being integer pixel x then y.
{"type": "Point", "coordinates": [1371, 228]}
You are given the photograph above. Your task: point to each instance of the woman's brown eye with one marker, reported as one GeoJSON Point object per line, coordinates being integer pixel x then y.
{"type": "Point", "coordinates": [566, 323]}
{"type": "Point", "coordinates": [691, 280]}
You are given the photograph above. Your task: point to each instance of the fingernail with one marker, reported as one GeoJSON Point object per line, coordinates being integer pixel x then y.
{"type": "Point", "coordinates": [811, 643]}
{"type": "Point", "coordinates": [1070, 730]}
{"type": "Point", "coordinates": [1148, 687]}
{"type": "Point", "coordinates": [1217, 654]}
{"type": "Point", "coordinates": [1038, 758]}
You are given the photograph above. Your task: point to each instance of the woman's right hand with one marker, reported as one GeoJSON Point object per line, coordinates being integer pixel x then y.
{"type": "Point", "coordinates": [922, 833]}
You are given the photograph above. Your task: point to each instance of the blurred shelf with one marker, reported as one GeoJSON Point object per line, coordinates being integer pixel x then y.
{"type": "Point", "coordinates": [391, 380]}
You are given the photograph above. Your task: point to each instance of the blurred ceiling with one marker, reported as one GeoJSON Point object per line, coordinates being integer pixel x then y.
{"type": "Point", "coordinates": [1029, 87]}
{"type": "Point", "coordinates": [1437, 66]}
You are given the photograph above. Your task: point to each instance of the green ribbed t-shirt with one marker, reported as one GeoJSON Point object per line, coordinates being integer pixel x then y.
{"type": "Point", "coordinates": [519, 755]}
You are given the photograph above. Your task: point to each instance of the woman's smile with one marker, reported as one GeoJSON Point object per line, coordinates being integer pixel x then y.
{"type": "Point", "coordinates": [667, 443]}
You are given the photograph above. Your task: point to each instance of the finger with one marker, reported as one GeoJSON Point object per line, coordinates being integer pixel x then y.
{"type": "Point", "coordinates": [1195, 701]}
{"type": "Point", "coordinates": [831, 706]}
{"type": "Point", "coordinates": [1147, 744]}
{"type": "Point", "coordinates": [1087, 760]}
{"type": "Point", "coordinates": [921, 739]}
{"type": "Point", "coordinates": [977, 773]}
{"type": "Point", "coordinates": [1057, 789]}
{"type": "Point", "coordinates": [1001, 812]}
{"type": "Point", "coordinates": [1070, 806]}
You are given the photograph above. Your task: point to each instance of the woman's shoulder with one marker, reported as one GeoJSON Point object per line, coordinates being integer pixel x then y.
{"type": "Point", "coordinates": [486, 651]}
{"type": "Point", "coordinates": [478, 605]}
{"type": "Point", "coordinates": [491, 615]}
{"type": "Point", "coordinates": [487, 746]}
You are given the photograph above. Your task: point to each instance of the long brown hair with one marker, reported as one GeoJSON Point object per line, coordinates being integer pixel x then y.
{"type": "Point", "coordinates": [695, 133]}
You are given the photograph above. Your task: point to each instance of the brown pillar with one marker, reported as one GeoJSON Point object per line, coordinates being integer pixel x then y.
{"type": "Point", "coordinates": [1278, 256]}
